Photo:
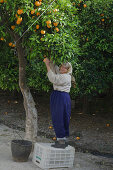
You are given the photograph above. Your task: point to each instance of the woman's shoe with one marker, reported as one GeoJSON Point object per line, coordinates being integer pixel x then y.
{"type": "Point", "coordinates": [60, 144]}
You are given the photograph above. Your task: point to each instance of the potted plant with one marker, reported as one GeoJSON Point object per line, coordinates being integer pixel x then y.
{"type": "Point", "coordinates": [21, 150]}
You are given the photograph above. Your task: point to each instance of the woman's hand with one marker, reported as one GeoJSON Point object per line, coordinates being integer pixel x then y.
{"type": "Point", "coordinates": [47, 62]}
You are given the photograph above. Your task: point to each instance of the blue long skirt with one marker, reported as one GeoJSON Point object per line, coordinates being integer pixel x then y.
{"type": "Point", "coordinates": [60, 105]}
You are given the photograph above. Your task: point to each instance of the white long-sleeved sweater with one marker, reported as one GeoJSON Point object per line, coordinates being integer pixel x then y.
{"type": "Point", "coordinates": [61, 82]}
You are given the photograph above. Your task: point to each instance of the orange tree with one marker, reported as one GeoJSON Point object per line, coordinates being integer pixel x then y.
{"type": "Point", "coordinates": [94, 73]}
{"type": "Point", "coordinates": [8, 68]}
{"type": "Point", "coordinates": [50, 34]}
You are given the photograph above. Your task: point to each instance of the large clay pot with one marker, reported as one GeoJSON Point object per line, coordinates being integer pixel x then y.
{"type": "Point", "coordinates": [21, 150]}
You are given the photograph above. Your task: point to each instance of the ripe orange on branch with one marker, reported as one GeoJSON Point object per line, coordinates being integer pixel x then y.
{"type": "Point", "coordinates": [48, 26]}
{"type": "Point", "coordinates": [1, 1]}
{"type": "Point", "coordinates": [37, 26]}
{"type": "Point", "coordinates": [1, 38]}
{"type": "Point", "coordinates": [20, 11]}
{"type": "Point", "coordinates": [103, 20]}
{"type": "Point", "coordinates": [84, 5]}
{"type": "Point", "coordinates": [33, 11]}
{"type": "Point", "coordinates": [38, 13]}
{"type": "Point", "coordinates": [13, 27]}
{"type": "Point", "coordinates": [10, 44]}
{"type": "Point", "coordinates": [101, 15]}
{"type": "Point", "coordinates": [16, 16]}
{"type": "Point", "coordinates": [48, 22]}
{"type": "Point", "coordinates": [43, 32]}
{"type": "Point", "coordinates": [13, 45]}
{"type": "Point", "coordinates": [55, 24]}
{"type": "Point", "coordinates": [57, 29]}
{"type": "Point", "coordinates": [44, 59]}
{"type": "Point", "coordinates": [37, 3]}
{"type": "Point", "coordinates": [19, 20]}
{"type": "Point", "coordinates": [55, 10]}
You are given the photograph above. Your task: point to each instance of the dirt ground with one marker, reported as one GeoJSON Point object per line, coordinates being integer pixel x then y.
{"type": "Point", "coordinates": [82, 161]}
{"type": "Point", "coordinates": [94, 131]}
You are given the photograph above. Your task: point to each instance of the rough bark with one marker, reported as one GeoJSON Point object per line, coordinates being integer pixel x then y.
{"type": "Point", "coordinates": [29, 104]}
{"type": "Point", "coordinates": [31, 116]}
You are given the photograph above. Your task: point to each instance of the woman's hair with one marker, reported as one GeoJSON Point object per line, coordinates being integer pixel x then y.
{"type": "Point", "coordinates": [69, 68]}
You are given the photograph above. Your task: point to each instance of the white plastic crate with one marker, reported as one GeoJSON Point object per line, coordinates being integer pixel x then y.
{"type": "Point", "coordinates": [47, 157]}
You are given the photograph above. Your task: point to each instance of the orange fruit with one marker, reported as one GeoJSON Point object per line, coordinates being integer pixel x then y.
{"type": "Point", "coordinates": [102, 20]}
{"type": "Point", "coordinates": [5, 113]}
{"type": "Point", "coordinates": [57, 30]}
{"type": "Point", "coordinates": [13, 45]}
{"type": "Point", "coordinates": [20, 11]}
{"type": "Point", "coordinates": [101, 15]}
{"type": "Point", "coordinates": [48, 26]}
{"type": "Point", "coordinates": [34, 30]}
{"type": "Point", "coordinates": [38, 13]}
{"type": "Point", "coordinates": [37, 26]}
{"type": "Point", "coordinates": [55, 10]}
{"type": "Point", "coordinates": [16, 16]}
{"type": "Point", "coordinates": [13, 27]}
{"type": "Point", "coordinates": [78, 138]}
{"type": "Point", "coordinates": [19, 20]}
{"type": "Point", "coordinates": [37, 3]}
{"type": "Point", "coordinates": [40, 0]}
{"type": "Point", "coordinates": [8, 101]}
{"type": "Point", "coordinates": [1, 38]}
{"type": "Point", "coordinates": [44, 60]}
{"type": "Point", "coordinates": [10, 44]}
{"type": "Point", "coordinates": [48, 22]}
{"type": "Point", "coordinates": [43, 32]}
{"type": "Point", "coordinates": [86, 39]}
{"type": "Point", "coordinates": [18, 23]}
{"type": "Point", "coordinates": [55, 23]}
{"type": "Point", "coordinates": [84, 5]}
{"type": "Point", "coordinates": [50, 127]}
{"type": "Point", "coordinates": [1, 1]}
{"type": "Point", "coordinates": [33, 11]}
{"type": "Point", "coordinates": [54, 138]}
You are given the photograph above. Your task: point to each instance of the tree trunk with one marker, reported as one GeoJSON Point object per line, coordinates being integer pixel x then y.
{"type": "Point", "coordinates": [29, 104]}
{"type": "Point", "coordinates": [31, 116]}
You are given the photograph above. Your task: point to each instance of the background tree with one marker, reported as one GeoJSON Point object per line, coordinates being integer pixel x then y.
{"type": "Point", "coordinates": [94, 63]}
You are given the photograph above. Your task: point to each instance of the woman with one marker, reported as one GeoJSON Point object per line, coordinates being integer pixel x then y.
{"type": "Point", "coordinates": [60, 102]}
